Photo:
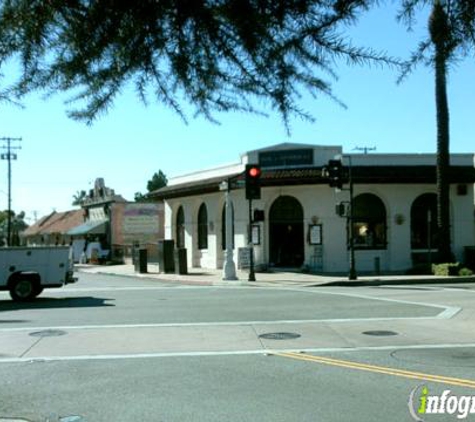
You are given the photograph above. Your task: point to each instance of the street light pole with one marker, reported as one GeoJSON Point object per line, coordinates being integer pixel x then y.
{"type": "Point", "coordinates": [252, 274]}
{"type": "Point", "coordinates": [229, 268]}
{"type": "Point", "coordinates": [9, 156]}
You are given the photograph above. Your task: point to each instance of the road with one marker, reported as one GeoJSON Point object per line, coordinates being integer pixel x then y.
{"type": "Point", "coordinates": [125, 349]}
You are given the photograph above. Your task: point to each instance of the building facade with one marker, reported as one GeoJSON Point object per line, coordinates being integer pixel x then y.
{"type": "Point", "coordinates": [295, 223]}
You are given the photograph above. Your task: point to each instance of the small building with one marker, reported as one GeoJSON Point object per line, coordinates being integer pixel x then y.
{"type": "Point", "coordinates": [112, 225]}
{"type": "Point", "coordinates": [296, 224]}
{"type": "Point", "coordinates": [52, 229]}
{"type": "Point", "coordinates": [107, 226]}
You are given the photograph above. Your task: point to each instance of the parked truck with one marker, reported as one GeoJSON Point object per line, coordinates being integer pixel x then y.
{"type": "Point", "coordinates": [26, 271]}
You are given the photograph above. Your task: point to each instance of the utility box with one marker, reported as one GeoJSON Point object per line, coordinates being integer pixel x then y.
{"type": "Point", "coordinates": [180, 261]}
{"type": "Point", "coordinates": [166, 262]}
{"type": "Point", "coordinates": [140, 264]}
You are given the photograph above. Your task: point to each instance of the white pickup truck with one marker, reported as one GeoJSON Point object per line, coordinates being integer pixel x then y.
{"type": "Point", "coordinates": [26, 271]}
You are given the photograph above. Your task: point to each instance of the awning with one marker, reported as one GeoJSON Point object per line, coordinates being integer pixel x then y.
{"type": "Point", "coordinates": [90, 227]}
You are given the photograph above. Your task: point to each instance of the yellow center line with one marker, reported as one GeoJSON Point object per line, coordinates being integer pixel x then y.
{"type": "Point", "coordinates": [460, 382]}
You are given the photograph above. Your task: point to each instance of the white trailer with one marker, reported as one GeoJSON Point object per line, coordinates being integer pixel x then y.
{"type": "Point", "coordinates": [26, 271]}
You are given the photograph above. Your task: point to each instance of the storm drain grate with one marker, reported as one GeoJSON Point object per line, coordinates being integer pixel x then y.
{"type": "Point", "coordinates": [279, 336]}
{"type": "Point", "coordinates": [380, 333]}
{"type": "Point", "coordinates": [48, 333]}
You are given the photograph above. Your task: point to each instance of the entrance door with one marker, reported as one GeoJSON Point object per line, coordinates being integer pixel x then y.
{"type": "Point", "coordinates": [286, 234]}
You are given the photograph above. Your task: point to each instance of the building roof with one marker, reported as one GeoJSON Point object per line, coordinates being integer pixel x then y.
{"type": "Point", "coordinates": [425, 174]}
{"type": "Point", "coordinates": [56, 223]}
{"type": "Point", "coordinates": [89, 227]}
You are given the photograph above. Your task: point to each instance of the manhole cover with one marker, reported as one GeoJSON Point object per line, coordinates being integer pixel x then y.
{"type": "Point", "coordinates": [48, 333]}
{"type": "Point", "coordinates": [380, 333]}
{"type": "Point", "coordinates": [279, 336]}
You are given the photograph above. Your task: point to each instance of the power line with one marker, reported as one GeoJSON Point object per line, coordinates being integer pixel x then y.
{"type": "Point", "coordinates": [9, 155]}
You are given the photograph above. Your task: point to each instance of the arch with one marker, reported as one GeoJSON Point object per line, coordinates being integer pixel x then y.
{"type": "Point", "coordinates": [180, 228]}
{"type": "Point", "coordinates": [369, 222]}
{"type": "Point", "coordinates": [286, 232]}
{"type": "Point", "coordinates": [203, 227]}
{"type": "Point", "coordinates": [424, 221]}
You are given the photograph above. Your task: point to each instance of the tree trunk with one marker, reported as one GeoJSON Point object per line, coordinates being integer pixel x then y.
{"type": "Point", "coordinates": [440, 37]}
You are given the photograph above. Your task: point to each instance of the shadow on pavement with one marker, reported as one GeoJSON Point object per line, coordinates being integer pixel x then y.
{"type": "Point", "coordinates": [46, 303]}
{"type": "Point", "coordinates": [13, 321]}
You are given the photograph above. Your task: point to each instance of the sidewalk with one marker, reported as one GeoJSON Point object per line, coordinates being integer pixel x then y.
{"type": "Point", "coordinates": [208, 277]}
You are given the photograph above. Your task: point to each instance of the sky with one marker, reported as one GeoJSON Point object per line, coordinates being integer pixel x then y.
{"type": "Point", "coordinates": [126, 146]}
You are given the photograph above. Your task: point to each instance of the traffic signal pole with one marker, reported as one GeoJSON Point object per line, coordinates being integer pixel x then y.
{"type": "Point", "coordinates": [351, 237]}
{"type": "Point", "coordinates": [252, 274]}
{"type": "Point", "coordinates": [334, 171]}
{"type": "Point", "coordinates": [253, 191]}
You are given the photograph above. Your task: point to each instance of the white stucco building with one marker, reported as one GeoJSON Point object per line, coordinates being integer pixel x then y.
{"type": "Point", "coordinates": [394, 210]}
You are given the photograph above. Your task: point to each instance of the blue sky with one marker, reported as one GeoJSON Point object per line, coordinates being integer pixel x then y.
{"type": "Point", "coordinates": [126, 146]}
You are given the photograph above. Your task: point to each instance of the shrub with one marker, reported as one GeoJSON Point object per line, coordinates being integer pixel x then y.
{"type": "Point", "coordinates": [450, 268]}
{"type": "Point", "coordinates": [465, 271]}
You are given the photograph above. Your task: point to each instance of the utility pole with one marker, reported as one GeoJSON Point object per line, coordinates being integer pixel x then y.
{"type": "Point", "coordinates": [364, 149]}
{"type": "Point", "coordinates": [9, 145]}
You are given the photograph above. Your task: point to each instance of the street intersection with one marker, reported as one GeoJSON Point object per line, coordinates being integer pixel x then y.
{"type": "Point", "coordinates": [363, 345]}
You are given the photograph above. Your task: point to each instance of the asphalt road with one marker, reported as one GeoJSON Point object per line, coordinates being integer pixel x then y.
{"type": "Point", "coordinates": [122, 349]}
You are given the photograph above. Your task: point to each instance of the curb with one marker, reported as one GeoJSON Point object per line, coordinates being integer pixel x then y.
{"type": "Point", "coordinates": [400, 282]}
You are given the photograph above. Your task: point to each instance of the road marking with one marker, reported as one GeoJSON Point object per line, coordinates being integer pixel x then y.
{"type": "Point", "coordinates": [443, 315]}
{"type": "Point", "coordinates": [459, 382]}
{"type": "Point", "coordinates": [260, 352]}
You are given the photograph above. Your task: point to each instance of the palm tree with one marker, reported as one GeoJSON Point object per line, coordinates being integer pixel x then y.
{"type": "Point", "coordinates": [451, 35]}
{"type": "Point", "coordinates": [79, 197]}
{"type": "Point", "coordinates": [441, 39]}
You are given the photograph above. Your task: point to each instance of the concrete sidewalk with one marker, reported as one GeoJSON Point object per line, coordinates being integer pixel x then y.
{"type": "Point", "coordinates": [208, 277]}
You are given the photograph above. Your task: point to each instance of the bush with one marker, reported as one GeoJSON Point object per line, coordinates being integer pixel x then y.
{"type": "Point", "coordinates": [450, 268]}
{"type": "Point", "coordinates": [465, 271]}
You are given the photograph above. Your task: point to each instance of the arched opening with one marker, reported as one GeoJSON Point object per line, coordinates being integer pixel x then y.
{"type": "Point", "coordinates": [369, 222]}
{"type": "Point", "coordinates": [203, 227]}
{"type": "Point", "coordinates": [424, 222]}
{"type": "Point", "coordinates": [286, 233]}
{"type": "Point", "coordinates": [180, 228]}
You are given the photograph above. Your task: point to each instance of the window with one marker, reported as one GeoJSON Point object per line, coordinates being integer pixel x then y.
{"type": "Point", "coordinates": [180, 228]}
{"type": "Point", "coordinates": [203, 227]}
{"type": "Point", "coordinates": [369, 222]}
{"type": "Point", "coordinates": [223, 226]}
{"type": "Point", "coordinates": [424, 222]}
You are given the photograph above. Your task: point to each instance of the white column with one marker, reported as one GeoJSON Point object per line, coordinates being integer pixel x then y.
{"type": "Point", "coordinates": [229, 268]}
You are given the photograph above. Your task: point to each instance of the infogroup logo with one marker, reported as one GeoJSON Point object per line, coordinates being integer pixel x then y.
{"type": "Point", "coordinates": [422, 403]}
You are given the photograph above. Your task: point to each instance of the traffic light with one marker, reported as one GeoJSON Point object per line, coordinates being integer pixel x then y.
{"type": "Point", "coordinates": [334, 172]}
{"type": "Point", "coordinates": [253, 181]}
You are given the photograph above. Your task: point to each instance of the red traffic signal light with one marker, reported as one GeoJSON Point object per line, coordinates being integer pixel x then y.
{"type": "Point", "coordinates": [253, 185]}
{"type": "Point", "coordinates": [254, 171]}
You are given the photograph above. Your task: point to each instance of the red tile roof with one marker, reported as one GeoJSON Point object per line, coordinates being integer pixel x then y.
{"type": "Point", "coordinates": [56, 222]}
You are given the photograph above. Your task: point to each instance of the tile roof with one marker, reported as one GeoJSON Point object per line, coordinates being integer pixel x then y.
{"type": "Point", "coordinates": [56, 222]}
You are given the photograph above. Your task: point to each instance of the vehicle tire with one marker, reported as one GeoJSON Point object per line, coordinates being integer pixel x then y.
{"type": "Point", "coordinates": [23, 289]}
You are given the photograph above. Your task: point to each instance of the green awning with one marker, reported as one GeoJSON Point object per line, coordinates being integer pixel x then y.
{"type": "Point", "coordinates": [90, 227]}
